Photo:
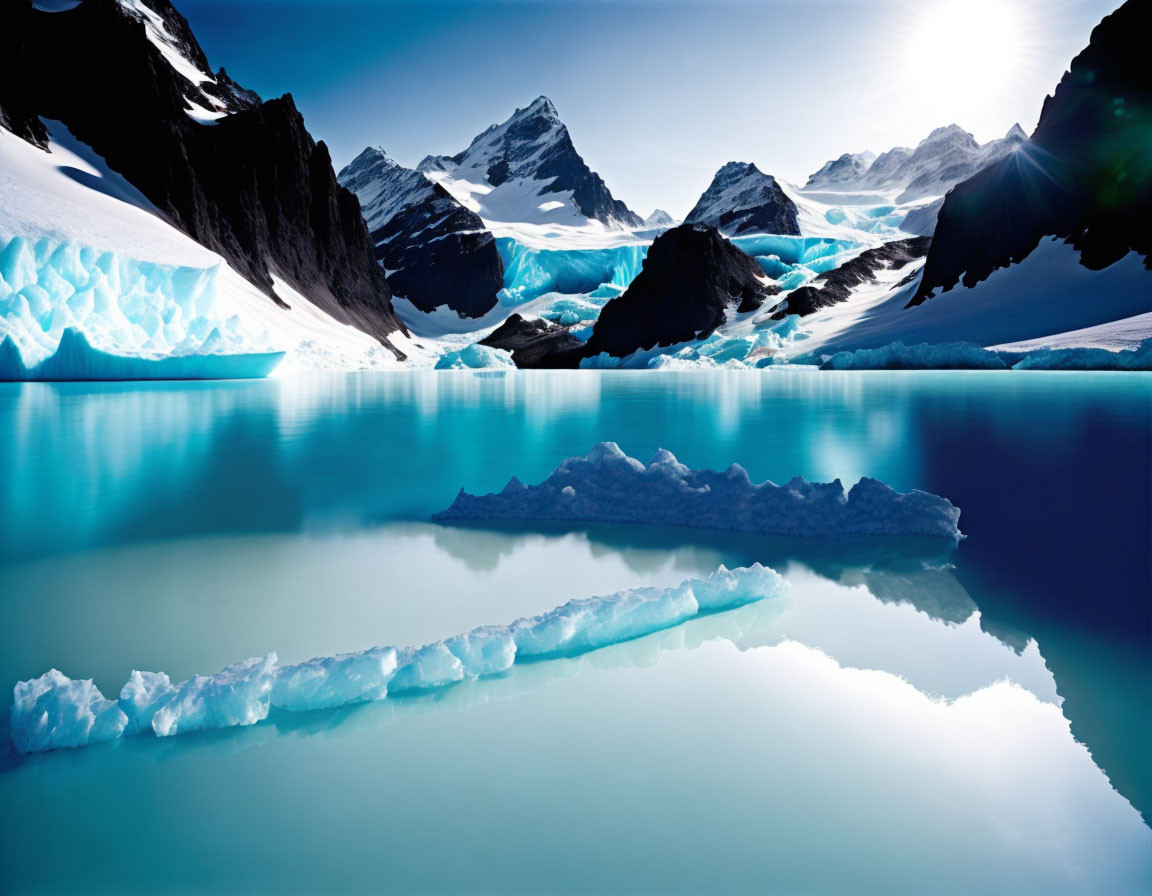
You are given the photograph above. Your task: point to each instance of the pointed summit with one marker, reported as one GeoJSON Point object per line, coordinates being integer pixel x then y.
{"type": "Point", "coordinates": [1016, 134]}
{"type": "Point", "coordinates": [527, 171]}
{"type": "Point", "coordinates": [743, 199]}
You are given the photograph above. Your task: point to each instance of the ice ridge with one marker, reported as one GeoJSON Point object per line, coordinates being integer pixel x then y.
{"type": "Point", "coordinates": [607, 486]}
{"type": "Point", "coordinates": [54, 711]}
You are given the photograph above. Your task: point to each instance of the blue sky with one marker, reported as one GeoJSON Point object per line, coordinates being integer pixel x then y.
{"type": "Point", "coordinates": [657, 94]}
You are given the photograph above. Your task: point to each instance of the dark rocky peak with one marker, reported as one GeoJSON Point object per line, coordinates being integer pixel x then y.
{"type": "Point", "coordinates": [533, 152]}
{"type": "Point", "coordinates": [435, 251]}
{"type": "Point", "coordinates": [692, 278]}
{"type": "Point", "coordinates": [254, 186]}
{"type": "Point", "coordinates": [536, 343]}
{"type": "Point", "coordinates": [743, 199]}
{"type": "Point", "coordinates": [1085, 175]}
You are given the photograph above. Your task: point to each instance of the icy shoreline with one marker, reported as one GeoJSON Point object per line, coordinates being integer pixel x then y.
{"type": "Point", "coordinates": [607, 486]}
{"type": "Point", "coordinates": [54, 711]}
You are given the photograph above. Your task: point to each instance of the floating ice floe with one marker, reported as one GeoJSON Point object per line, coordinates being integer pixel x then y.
{"type": "Point", "coordinates": [54, 711]}
{"type": "Point", "coordinates": [476, 357]}
{"type": "Point", "coordinates": [968, 356]}
{"type": "Point", "coordinates": [898, 356]}
{"type": "Point", "coordinates": [76, 359]}
{"type": "Point", "coordinates": [607, 486]}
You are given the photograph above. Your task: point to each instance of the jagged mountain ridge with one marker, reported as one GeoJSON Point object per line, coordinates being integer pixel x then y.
{"type": "Point", "coordinates": [252, 185]}
{"type": "Point", "coordinates": [434, 251]}
{"type": "Point", "coordinates": [945, 157]}
{"type": "Point", "coordinates": [1084, 176]}
{"type": "Point", "coordinates": [527, 170]}
{"type": "Point", "coordinates": [743, 199]}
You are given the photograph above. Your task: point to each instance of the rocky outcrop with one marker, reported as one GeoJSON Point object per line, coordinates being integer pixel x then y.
{"type": "Point", "coordinates": [835, 286]}
{"type": "Point", "coordinates": [1085, 175]}
{"type": "Point", "coordinates": [691, 280]}
{"type": "Point", "coordinates": [743, 199]}
{"type": "Point", "coordinates": [434, 251]}
{"type": "Point", "coordinates": [241, 177]}
{"type": "Point", "coordinates": [529, 171]}
{"type": "Point", "coordinates": [536, 343]}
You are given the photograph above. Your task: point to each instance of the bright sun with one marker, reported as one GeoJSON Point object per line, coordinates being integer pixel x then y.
{"type": "Point", "coordinates": [960, 53]}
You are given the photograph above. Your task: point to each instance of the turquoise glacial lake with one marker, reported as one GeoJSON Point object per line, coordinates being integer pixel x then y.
{"type": "Point", "coordinates": [911, 718]}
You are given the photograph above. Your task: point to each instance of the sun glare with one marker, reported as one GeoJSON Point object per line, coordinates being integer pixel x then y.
{"type": "Point", "coordinates": [959, 53]}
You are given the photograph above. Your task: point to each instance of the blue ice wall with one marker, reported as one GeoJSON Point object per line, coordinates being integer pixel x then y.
{"type": "Point", "coordinates": [530, 273]}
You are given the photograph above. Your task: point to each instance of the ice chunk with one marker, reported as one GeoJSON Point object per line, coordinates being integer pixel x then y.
{"type": "Point", "coordinates": [76, 359]}
{"type": "Point", "coordinates": [141, 696]}
{"type": "Point", "coordinates": [55, 711]}
{"type": "Point", "coordinates": [236, 695]}
{"type": "Point", "coordinates": [898, 356]}
{"type": "Point", "coordinates": [476, 357]}
{"type": "Point", "coordinates": [338, 680]}
{"type": "Point", "coordinates": [609, 487]}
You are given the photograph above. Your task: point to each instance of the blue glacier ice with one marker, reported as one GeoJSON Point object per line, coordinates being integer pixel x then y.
{"type": "Point", "coordinates": [54, 711]}
{"type": "Point", "coordinates": [76, 359]}
{"type": "Point", "coordinates": [794, 260]}
{"type": "Point", "coordinates": [1138, 358]}
{"type": "Point", "coordinates": [476, 357]}
{"type": "Point", "coordinates": [898, 356]}
{"type": "Point", "coordinates": [530, 272]}
{"type": "Point", "coordinates": [607, 486]}
{"type": "Point", "coordinates": [68, 311]}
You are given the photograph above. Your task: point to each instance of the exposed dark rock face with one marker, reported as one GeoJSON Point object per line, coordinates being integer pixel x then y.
{"type": "Point", "coordinates": [835, 286]}
{"type": "Point", "coordinates": [536, 343]}
{"type": "Point", "coordinates": [533, 148]}
{"type": "Point", "coordinates": [253, 186]}
{"type": "Point", "coordinates": [435, 251]}
{"type": "Point", "coordinates": [743, 199]}
{"type": "Point", "coordinates": [1085, 176]}
{"type": "Point", "coordinates": [690, 279]}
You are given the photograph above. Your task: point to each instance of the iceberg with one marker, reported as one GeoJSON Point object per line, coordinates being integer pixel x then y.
{"type": "Point", "coordinates": [54, 711]}
{"type": "Point", "coordinates": [530, 272]}
{"type": "Point", "coordinates": [607, 486]}
{"type": "Point", "coordinates": [476, 357]}
{"type": "Point", "coordinates": [898, 356]}
{"type": "Point", "coordinates": [76, 359]}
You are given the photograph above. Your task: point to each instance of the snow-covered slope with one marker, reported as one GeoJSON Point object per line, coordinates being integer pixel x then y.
{"type": "Point", "coordinates": [81, 247]}
{"type": "Point", "coordinates": [435, 252]}
{"type": "Point", "coordinates": [527, 171]}
{"type": "Point", "coordinates": [659, 218]}
{"type": "Point", "coordinates": [743, 199]}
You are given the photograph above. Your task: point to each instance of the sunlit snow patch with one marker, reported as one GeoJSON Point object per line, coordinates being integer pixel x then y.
{"type": "Point", "coordinates": [607, 486]}
{"type": "Point", "coordinates": [54, 711]}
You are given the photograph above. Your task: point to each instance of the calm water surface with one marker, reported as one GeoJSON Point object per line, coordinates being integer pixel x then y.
{"type": "Point", "coordinates": [910, 719]}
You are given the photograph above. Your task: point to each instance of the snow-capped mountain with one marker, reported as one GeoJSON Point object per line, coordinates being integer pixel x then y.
{"type": "Point", "coordinates": [847, 169]}
{"type": "Point", "coordinates": [435, 252]}
{"type": "Point", "coordinates": [659, 218]}
{"type": "Point", "coordinates": [527, 170]}
{"type": "Point", "coordinates": [941, 160]}
{"type": "Point", "coordinates": [243, 178]}
{"type": "Point", "coordinates": [743, 199]}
